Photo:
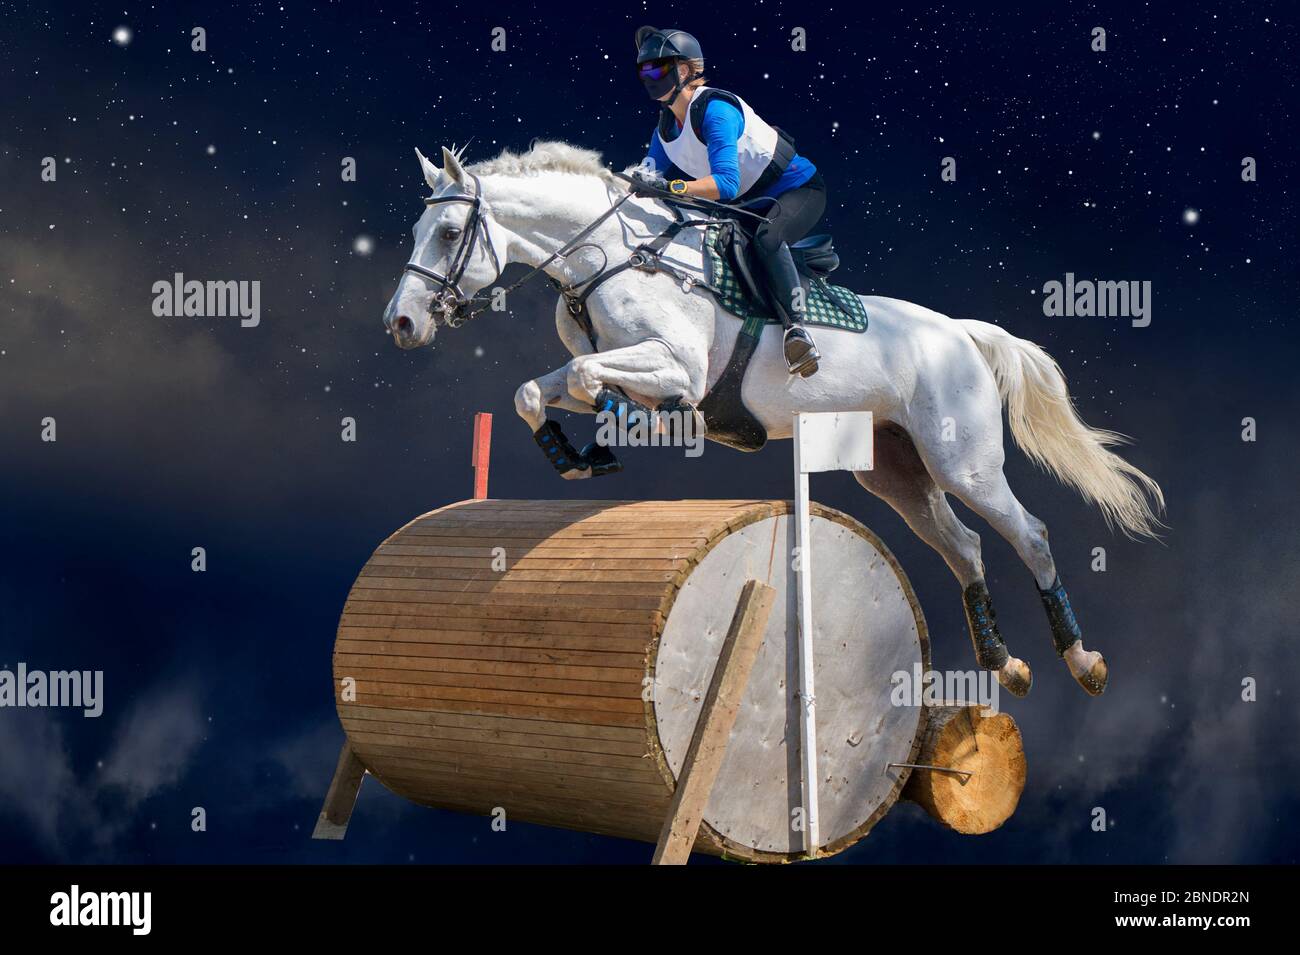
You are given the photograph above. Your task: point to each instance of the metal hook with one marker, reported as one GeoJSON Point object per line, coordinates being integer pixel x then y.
{"type": "Point", "coordinates": [937, 769]}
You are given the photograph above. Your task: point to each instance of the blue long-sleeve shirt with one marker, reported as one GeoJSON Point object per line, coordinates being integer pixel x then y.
{"type": "Point", "coordinates": [723, 124]}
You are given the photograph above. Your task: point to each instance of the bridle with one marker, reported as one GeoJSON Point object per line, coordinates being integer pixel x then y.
{"type": "Point", "coordinates": [449, 301]}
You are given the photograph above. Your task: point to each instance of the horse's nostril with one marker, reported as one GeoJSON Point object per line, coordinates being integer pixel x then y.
{"type": "Point", "coordinates": [404, 324]}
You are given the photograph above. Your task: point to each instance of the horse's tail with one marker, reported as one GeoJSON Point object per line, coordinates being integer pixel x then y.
{"type": "Point", "coordinates": [1046, 426]}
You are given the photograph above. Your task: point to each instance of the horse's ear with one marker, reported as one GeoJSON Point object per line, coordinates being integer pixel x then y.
{"type": "Point", "coordinates": [451, 166]}
{"type": "Point", "coordinates": [431, 172]}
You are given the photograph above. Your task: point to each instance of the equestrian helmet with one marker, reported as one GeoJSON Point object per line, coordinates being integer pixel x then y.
{"type": "Point", "coordinates": [652, 44]}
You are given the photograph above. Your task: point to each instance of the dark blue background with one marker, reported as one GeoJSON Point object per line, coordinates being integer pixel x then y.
{"type": "Point", "coordinates": [182, 432]}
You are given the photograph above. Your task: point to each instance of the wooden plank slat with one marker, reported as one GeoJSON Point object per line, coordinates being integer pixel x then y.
{"type": "Point", "coordinates": [417, 731]}
{"type": "Point", "coordinates": [426, 679]}
{"type": "Point", "coordinates": [546, 670]}
{"type": "Point", "coordinates": [559, 656]}
{"type": "Point", "coordinates": [545, 729]}
{"type": "Point", "coordinates": [508, 707]}
{"type": "Point", "coordinates": [488, 628]}
{"type": "Point", "coordinates": [363, 600]}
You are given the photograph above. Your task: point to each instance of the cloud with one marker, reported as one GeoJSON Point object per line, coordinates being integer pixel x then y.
{"type": "Point", "coordinates": [37, 782]}
{"type": "Point", "coordinates": [67, 812]}
{"type": "Point", "coordinates": [1172, 739]}
{"type": "Point", "coordinates": [154, 745]}
{"type": "Point", "coordinates": [308, 759]}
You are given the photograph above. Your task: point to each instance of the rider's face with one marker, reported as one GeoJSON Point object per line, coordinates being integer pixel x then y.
{"type": "Point", "coordinates": [660, 76]}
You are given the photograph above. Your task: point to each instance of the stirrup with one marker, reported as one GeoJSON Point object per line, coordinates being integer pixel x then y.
{"type": "Point", "coordinates": [801, 355]}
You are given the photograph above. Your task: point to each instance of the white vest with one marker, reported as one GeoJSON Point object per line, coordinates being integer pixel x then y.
{"type": "Point", "coordinates": [754, 150]}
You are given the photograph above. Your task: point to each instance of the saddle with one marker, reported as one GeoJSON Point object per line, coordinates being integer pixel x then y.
{"type": "Point", "coordinates": [733, 269]}
{"type": "Point", "coordinates": [814, 257]}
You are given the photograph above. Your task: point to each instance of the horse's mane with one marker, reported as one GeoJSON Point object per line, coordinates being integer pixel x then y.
{"type": "Point", "coordinates": [546, 155]}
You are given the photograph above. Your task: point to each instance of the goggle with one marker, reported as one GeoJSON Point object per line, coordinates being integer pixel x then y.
{"type": "Point", "coordinates": [655, 69]}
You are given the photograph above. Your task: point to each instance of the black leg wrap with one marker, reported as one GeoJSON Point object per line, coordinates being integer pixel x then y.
{"type": "Point", "coordinates": [601, 460]}
{"type": "Point", "coordinates": [629, 413]}
{"type": "Point", "coordinates": [674, 413]}
{"type": "Point", "coordinates": [990, 651]}
{"type": "Point", "coordinates": [562, 455]}
{"type": "Point", "coordinates": [1065, 628]}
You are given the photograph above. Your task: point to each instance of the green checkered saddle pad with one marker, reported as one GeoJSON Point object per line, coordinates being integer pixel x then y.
{"type": "Point", "coordinates": [829, 305]}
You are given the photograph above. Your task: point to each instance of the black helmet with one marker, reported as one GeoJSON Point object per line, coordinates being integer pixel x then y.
{"type": "Point", "coordinates": [652, 44]}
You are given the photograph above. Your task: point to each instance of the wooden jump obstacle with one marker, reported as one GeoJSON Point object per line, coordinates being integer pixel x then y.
{"type": "Point", "coordinates": [633, 668]}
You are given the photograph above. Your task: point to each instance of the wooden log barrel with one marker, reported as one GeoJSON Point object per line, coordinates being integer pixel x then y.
{"type": "Point", "coordinates": [550, 658]}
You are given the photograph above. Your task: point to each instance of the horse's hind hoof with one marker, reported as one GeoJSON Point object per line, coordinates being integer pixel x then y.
{"type": "Point", "coordinates": [1016, 677]}
{"type": "Point", "coordinates": [1095, 677]}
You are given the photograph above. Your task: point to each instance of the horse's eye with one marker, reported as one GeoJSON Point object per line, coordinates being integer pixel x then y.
{"type": "Point", "coordinates": [451, 234]}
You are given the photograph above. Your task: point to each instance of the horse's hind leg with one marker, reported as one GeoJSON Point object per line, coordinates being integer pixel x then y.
{"type": "Point", "coordinates": [986, 492]}
{"type": "Point", "coordinates": [900, 479]}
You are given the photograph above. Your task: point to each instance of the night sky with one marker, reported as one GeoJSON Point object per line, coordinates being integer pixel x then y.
{"type": "Point", "coordinates": [183, 432]}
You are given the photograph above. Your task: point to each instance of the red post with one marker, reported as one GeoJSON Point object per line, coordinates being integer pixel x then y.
{"type": "Point", "coordinates": [482, 453]}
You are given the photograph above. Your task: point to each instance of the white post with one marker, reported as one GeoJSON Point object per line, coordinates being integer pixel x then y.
{"type": "Point", "coordinates": [807, 695]}
{"type": "Point", "coordinates": [828, 441]}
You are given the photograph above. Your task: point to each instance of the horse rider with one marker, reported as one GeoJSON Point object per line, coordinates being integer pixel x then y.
{"type": "Point", "coordinates": [727, 153]}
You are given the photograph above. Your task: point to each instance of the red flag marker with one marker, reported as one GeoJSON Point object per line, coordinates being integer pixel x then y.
{"type": "Point", "coordinates": [482, 453]}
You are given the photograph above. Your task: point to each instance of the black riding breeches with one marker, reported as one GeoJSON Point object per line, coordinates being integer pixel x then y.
{"type": "Point", "coordinates": [793, 216]}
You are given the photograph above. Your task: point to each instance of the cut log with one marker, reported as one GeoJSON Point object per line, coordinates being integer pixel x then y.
{"type": "Point", "coordinates": [989, 748]}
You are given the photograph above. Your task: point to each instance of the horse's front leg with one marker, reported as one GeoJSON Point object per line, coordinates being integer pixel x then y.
{"type": "Point", "coordinates": [552, 391]}
{"type": "Point", "coordinates": [650, 375]}
{"type": "Point", "coordinates": [652, 379]}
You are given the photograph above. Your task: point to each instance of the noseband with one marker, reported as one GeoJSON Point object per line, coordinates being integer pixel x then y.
{"type": "Point", "coordinates": [449, 301]}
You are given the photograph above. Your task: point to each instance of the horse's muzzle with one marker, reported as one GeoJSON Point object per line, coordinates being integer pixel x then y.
{"type": "Point", "coordinates": [403, 330]}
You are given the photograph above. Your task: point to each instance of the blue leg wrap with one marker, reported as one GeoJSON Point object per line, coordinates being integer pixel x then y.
{"type": "Point", "coordinates": [1065, 628]}
{"type": "Point", "coordinates": [982, 619]}
{"type": "Point", "coordinates": [628, 412]}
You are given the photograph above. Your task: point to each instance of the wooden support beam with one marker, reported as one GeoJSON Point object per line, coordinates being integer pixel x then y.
{"type": "Point", "coordinates": [342, 796]}
{"type": "Point", "coordinates": [717, 717]}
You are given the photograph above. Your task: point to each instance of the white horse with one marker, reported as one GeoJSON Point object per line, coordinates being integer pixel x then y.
{"type": "Point", "coordinates": [936, 385]}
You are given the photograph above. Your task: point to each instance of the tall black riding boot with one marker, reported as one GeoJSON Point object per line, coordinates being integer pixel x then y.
{"type": "Point", "coordinates": [787, 294]}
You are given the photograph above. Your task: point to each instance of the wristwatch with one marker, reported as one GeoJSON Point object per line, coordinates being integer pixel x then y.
{"type": "Point", "coordinates": [677, 186]}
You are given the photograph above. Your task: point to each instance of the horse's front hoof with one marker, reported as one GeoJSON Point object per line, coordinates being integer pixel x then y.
{"type": "Point", "coordinates": [601, 460]}
{"type": "Point", "coordinates": [1016, 677]}
{"type": "Point", "coordinates": [1095, 676]}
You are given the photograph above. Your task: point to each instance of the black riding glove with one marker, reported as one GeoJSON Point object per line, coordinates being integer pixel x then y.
{"type": "Point", "coordinates": [648, 184]}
